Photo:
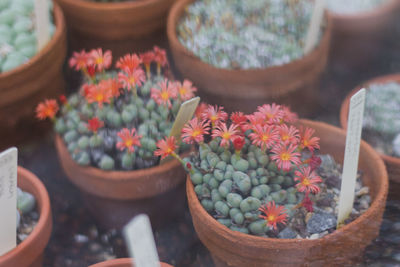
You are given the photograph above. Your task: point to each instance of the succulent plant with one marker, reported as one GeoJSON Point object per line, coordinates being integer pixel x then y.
{"type": "Point", "coordinates": [25, 203]}
{"type": "Point", "coordinates": [17, 32]}
{"type": "Point", "coordinates": [381, 121]}
{"type": "Point", "coordinates": [117, 118]}
{"type": "Point", "coordinates": [355, 6]}
{"type": "Point", "coordinates": [231, 34]}
{"type": "Point", "coordinates": [250, 173]}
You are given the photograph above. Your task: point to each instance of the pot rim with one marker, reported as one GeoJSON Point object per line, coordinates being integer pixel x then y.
{"type": "Point", "coordinates": [83, 4]}
{"type": "Point", "coordinates": [366, 15]}
{"type": "Point", "coordinates": [43, 225]}
{"type": "Point", "coordinates": [121, 262]}
{"type": "Point", "coordinates": [57, 36]}
{"type": "Point", "coordinates": [173, 19]}
{"type": "Point", "coordinates": [256, 241]}
{"type": "Point", "coordinates": [344, 109]}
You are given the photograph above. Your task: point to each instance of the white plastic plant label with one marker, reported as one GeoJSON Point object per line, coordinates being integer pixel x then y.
{"type": "Point", "coordinates": [185, 113]}
{"type": "Point", "coordinates": [8, 199]}
{"type": "Point", "coordinates": [350, 164]}
{"type": "Point", "coordinates": [42, 23]}
{"type": "Point", "coordinates": [140, 242]}
{"type": "Point", "coordinates": [315, 25]}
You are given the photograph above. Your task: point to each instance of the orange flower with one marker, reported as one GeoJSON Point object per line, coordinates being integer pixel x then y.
{"type": "Point", "coordinates": [160, 56]}
{"type": "Point", "coordinates": [129, 140]}
{"type": "Point", "coordinates": [80, 60]}
{"type": "Point", "coordinates": [99, 94]}
{"type": "Point", "coordinates": [271, 113]}
{"type": "Point", "coordinates": [273, 214]}
{"type": "Point", "coordinates": [147, 57]}
{"type": "Point", "coordinates": [94, 124]}
{"type": "Point", "coordinates": [307, 180]}
{"type": "Point", "coordinates": [112, 85]}
{"type": "Point", "coordinates": [285, 156]}
{"type": "Point", "coordinates": [164, 96]}
{"type": "Point", "coordinates": [307, 141]}
{"type": "Point", "coordinates": [47, 109]}
{"type": "Point", "coordinates": [288, 135]}
{"type": "Point", "coordinates": [194, 131]}
{"type": "Point", "coordinates": [129, 62]}
{"type": "Point", "coordinates": [132, 78]}
{"type": "Point", "coordinates": [186, 90]}
{"type": "Point", "coordinates": [85, 89]}
{"type": "Point", "coordinates": [226, 134]}
{"type": "Point", "coordinates": [264, 136]}
{"type": "Point", "coordinates": [166, 147]}
{"type": "Point", "coordinates": [215, 114]}
{"type": "Point", "coordinates": [100, 60]}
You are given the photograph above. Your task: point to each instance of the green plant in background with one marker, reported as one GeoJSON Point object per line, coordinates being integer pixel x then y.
{"type": "Point", "coordinates": [354, 6]}
{"type": "Point", "coordinates": [25, 204]}
{"type": "Point", "coordinates": [116, 119]}
{"type": "Point", "coordinates": [233, 34]}
{"type": "Point", "coordinates": [17, 33]}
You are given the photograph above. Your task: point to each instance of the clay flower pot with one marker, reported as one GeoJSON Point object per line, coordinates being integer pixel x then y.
{"type": "Point", "coordinates": [114, 197]}
{"type": "Point", "coordinates": [22, 88]}
{"type": "Point", "coordinates": [124, 262]}
{"type": "Point", "coordinates": [244, 90]}
{"type": "Point", "coordinates": [392, 163]}
{"type": "Point", "coordinates": [29, 253]}
{"type": "Point", "coordinates": [357, 38]}
{"type": "Point", "coordinates": [342, 247]}
{"type": "Point", "coordinates": [121, 27]}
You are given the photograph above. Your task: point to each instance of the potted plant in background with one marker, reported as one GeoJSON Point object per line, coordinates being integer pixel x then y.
{"type": "Point", "coordinates": [381, 125]}
{"type": "Point", "coordinates": [25, 82]}
{"type": "Point", "coordinates": [125, 262]}
{"type": "Point", "coordinates": [107, 133]}
{"type": "Point", "coordinates": [261, 192]}
{"type": "Point", "coordinates": [359, 29]}
{"type": "Point", "coordinates": [29, 252]}
{"type": "Point", "coordinates": [223, 52]}
{"type": "Point", "coordinates": [121, 26]}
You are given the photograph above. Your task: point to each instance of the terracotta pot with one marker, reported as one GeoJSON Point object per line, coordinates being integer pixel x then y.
{"type": "Point", "coordinates": [122, 27]}
{"type": "Point", "coordinates": [392, 163]}
{"type": "Point", "coordinates": [29, 253]}
{"type": "Point", "coordinates": [244, 90]}
{"type": "Point", "coordinates": [114, 197]}
{"type": "Point", "coordinates": [358, 38]}
{"type": "Point", "coordinates": [22, 88]}
{"type": "Point", "coordinates": [124, 262]}
{"type": "Point", "coordinates": [340, 248]}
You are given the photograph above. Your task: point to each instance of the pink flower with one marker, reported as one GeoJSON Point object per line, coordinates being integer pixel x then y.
{"type": "Point", "coordinates": [129, 140]}
{"type": "Point", "coordinates": [285, 156]}
{"type": "Point", "coordinates": [194, 131]}
{"type": "Point", "coordinates": [131, 78]}
{"type": "Point", "coordinates": [112, 85]}
{"type": "Point", "coordinates": [160, 56]}
{"type": "Point", "coordinates": [99, 94]}
{"type": "Point", "coordinates": [186, 90]}
{"type": "Point", "coordinates": [166, 147]}
{"type": "Point", "coordinates": [271, 113]}
{"type": "Point", "coordinates": [253, 121]}
{"type": "Point", "coordinates": [226, 134]}
{"type": "Point", "coordinates": [264, 136]}
{"type": "Point", "coordinates": [307, 141]}
{"type": "Point", "coordinates": [129, 62]}
{"type": "Point", "coordinates": [102, 61]}
{"type": "Point", "coordinates": [215, 114]}
{"type": "Point", "coordinates": [80, 60]}
{"type": "Point", "coordinates": [147, 57]}
{"type": "Point", "coordinates": [307, 180]}
{"type": "Point", "coordinates": [239, 119]}
{"type": "Point", "coordinates": [164, 96]}
{"type": "Point", "coordinates": [288, 135]}
{"type": "Point", "coordinates": [288, 116]}
{"type": "Point", "coordinates": [273, 214]}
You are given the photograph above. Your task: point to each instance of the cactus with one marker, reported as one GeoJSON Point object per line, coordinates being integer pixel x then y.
{"type": "Point", "coordinates": [250, 172]}
{"type": "Point", "coordinates": [118, 116]}
{"type": "Point", "coordinates": [25, 204]}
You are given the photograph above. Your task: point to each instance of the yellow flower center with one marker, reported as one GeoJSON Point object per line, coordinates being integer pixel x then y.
{"type": "Point", "coordinates": [306, 182]}
{"type": "Point", "coordinates": [182, 91]}
{"type": "Point", "coordinates": [264, 137]}
{"type": "Point", "coordinates": [285, 137]}
{"type": "Point", "coordinates": [49, 112]}
{"type": "Point", "coordinates": [165, 95]}
{"type": "Point", "coordinates": [305, 142]}
{"type": "Point", "coordinates": [99, 60]}
{"type": "Point", "coordinates": [132, 80]}
{"type": "Point", "coordinates": [271, 218]}
{"type": "Point", "coordinates": [128, 143]}
{"type": "Point", "coordinates": [196, 133]}
{"type": "Point", "coordinates": [214, 118]}
{"type": "Point", "coordinates": [99, 98]}
{"type": "Point", "coordinates": [169, 151]}
{"type": "Point", "coordinates": [226, 136]}
{"type": "Point", "coordinates": [285, 156]}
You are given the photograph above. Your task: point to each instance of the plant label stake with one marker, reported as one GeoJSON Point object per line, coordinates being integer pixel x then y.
{"type": "Point", "coordinates": [315, 25]}
{"type": "Point", "coordinates": [8, 199]}
{"type": "Point", "coordinates": [42, 21]}
{"type": "Point", "coordinates": [350, 164]}
{"type": "Point", "coordinates": [140, 240]}
{"type": "Point", "coordinates": [185, 113]}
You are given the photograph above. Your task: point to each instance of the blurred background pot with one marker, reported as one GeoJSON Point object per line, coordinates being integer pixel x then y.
{"type": "Point", "coordinates": [29, 253]}
{"type": "Point", "coordinates": [244, 90]}
{"type": "Point", "coordinates": [114, 197]}
{"type": "Point", "coordinates": [124, 262]}
{"type": "Point", "coordinates": [340, 248]}
{"type": "Point", "coordinates": [22, 88]}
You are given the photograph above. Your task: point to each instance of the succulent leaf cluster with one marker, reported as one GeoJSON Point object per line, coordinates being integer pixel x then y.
{"type": "Point", "coordinates": [251, 172]}
{"type": "Point", "coordinates": [116, 119]}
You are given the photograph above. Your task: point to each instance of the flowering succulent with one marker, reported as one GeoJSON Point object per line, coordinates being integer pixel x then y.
{"type": "Point", "coordinates": [252, 172]}
{"type": "Point", "coordinates": [118, 117]}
